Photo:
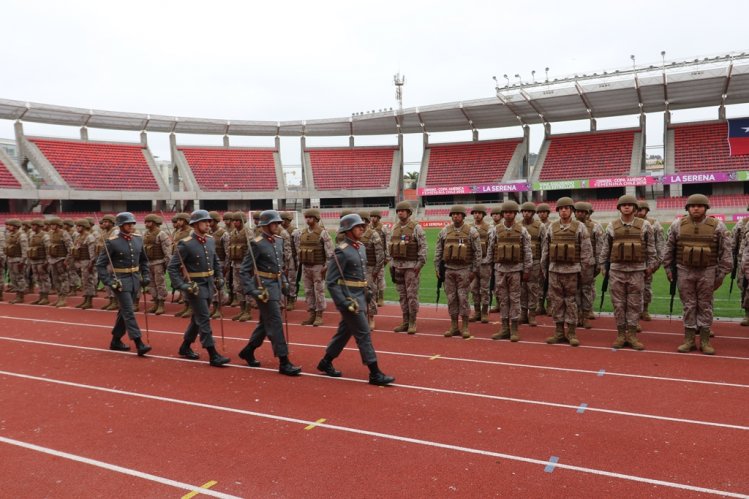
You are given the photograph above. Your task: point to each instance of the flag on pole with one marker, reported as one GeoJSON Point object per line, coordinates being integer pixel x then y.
{"type": "Point", "coordinates": [738, 136]}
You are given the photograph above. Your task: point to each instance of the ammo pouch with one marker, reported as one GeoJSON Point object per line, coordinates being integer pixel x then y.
{"type": "Point", "coordinates": [626, 252]}
{"type": "Point", "coordinates": [456, 253]}
{"type": "Point", "coordinates": [507, 253]}
{"type": "Point", "coordinates": [307, 256]}
{"type": "Point", "coordinates": [696, 256]}
{"type": "Point", "coordinates": [37, 253]}
{"type": "Point", "coordinates": [562, 252]}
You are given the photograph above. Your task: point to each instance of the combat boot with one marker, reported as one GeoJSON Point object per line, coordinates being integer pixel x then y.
{"type": "Point", "coordinates": [541, 309]}
{"type": "Point", "coordinates": [141, 347]}
{"type": "Point", "coordinates": [632, 338]}
{"type": "Point", "coordinates": [248, 354]}
{"type": "Point", "coordinates": [118, 346]}
{"type": "Point", "coordinates": [705, 345]}
{"type": "Point", "coordinates": [188, 312]}
{"type": "Point", "coordinates": [246, 315]}
{"type": "Point", "coordinates": [514, 332]}
{"type": "Point", "coordinates": [81, 303]}
{"type": "Point", "coordinates": [453, 328]}
{"type": "Point", "coordinates": [586, 320]}
{"type": "Point", "coordinates": [621, 337]}
{"type": "Point", "coordinates": [494, 309]}
{"type": "Point", "coordinates": [411, 324]}
{"type": "Point", "coordinates": [591, 315]}
{"type": "Point", "coordinates": [310, 318]}
{"type": "Point", "coordinates": [242, 307]}
{"type": "Point", "coordinates": [532, 318]}
{"type": "Point", "coordinates": [234, 301]}
{"type": "Point", "coordinates": [18, 299]}
{"type": "Point", "coordinates": [187, 352]}
{"type": "Point", "coordinates": [572, 335]}
{"type": "Point", "coordinates": [61, 301]}
{"type": "Point", "coordinates": [638, 327]}
{"type": "Point", "coordinates": [35, 302]}
{"type": "Point", "coordinates": [504, 331]}
{"type": "Point", "coordinates": [380, 298]}
{"type": "Point", "coordinates": [318, 319]}
{"type": "Point", "coordinates": [153, 307]}
{"type": "Point", "coordinates": [745, 321]}
{"type": "Point", "coordinates": [182, 312]}
{"type": "Point", "coordinates": [485, 313]}
{"type": "Point", "coordinates": [476, 313]}
{"type": "Point", "coordinates": [464, 332]}
{"type": "Point", "coordinates": [290, 303]}
{"type": "Point", "coordinates": [2, 285]}
{"type": "Point", "coordinates": [216, 314]}
{"type": "Point", "coordinates": [371, 323]}
{"type": "Point", "coordinates": [403, 327]}
{"type": "Point", "coordinates": [688, 344]}
{"type": "Point", "coordinates": [43, 299]}
{"type": "Point", "coordinates": [645, 315]}
{"type": "Point", "coordinates": [115, 305]}
{"type": "Point", "coordinates": [558, 336]}
{"type": "Point", "coordinates": [159, 307]}
{"type": "Point", "coordinates": [216, 359]}
{"type": "Point", "coordinates": [523, 316]}
{"type": "Point", "coordinates": [106, 305]}
{"type": "Point", "coordinates": [87, 303]}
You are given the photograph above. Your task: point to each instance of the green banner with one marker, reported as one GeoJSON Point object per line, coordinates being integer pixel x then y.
{"type": "Point", "coordinates": [554, 185]}
{"type": "Point", "coordinates": [742, 175]}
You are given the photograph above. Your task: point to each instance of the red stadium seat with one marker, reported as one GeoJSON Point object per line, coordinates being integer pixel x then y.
{"type": "Point", "coordinates": [703, 147]}
{"type": "Point", "coordinates": [235, 169]}
{"type": "Point", "coordinates": [7, 180]}
{"type": "Point", "coordinates": [352, 167]}
{"type": "Point", "coordinates": [589, 155]}
{"type": "Point", "coordinates": [469, 163]}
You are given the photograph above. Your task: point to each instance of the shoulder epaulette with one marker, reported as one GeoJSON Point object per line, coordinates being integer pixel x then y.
{"type": "Point", "coordinates": [185, 239]}
{"type": "Point", "coordinates": [137, 234]}
{"type": "Point", "coordinates": [112, 238]}
{"type": "Point", "coordinates": [258, 239]}
{"type": "Point", "coordinates": [343, 246]}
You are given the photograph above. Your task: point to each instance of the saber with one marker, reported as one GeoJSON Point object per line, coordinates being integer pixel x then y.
{"type": "Point", "coordinates": [145, 317]}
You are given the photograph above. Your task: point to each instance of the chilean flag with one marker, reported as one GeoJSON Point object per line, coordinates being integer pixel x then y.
{"type": "Point", "coordinates": [738, 136]}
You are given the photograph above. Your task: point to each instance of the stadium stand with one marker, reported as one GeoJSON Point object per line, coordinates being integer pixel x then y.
{"type": "Point", "coordinates": [469, 162]}
{"type": "Point", "coordinates": [232, 169]}
{"type": "Point", "coordinates": [101, 166]}
{"type": "Point", "coordinates": [7, 180]}
{"type": "Point", "coordinates": [588, 155]}
{"type": "Point", "coordinates": [703, 147]}
{"type": "Point", "coordinates": [352, 167]}
{"type": "Point", "coordinates": [735, 201]}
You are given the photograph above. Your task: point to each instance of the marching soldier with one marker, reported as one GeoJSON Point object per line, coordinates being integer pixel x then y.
{"type": "Point", "coordinates": [375, 217]}
{"type": "Point", "coordinates": [195, 270]}
{"type": "Point", "coordinates": [347, 286]}
{"type": "Point", "coordinates": [106, 230]}
{"type": "Point", "coordinates": [408, 250]}
{"type": "Point", "coordinates": [566, 247]}
{"type": "Point", "coordinates": [84, 257]}
{"type": "Point", "coordinates": [237, 250]}
{"type": "Point", "coordinates": [181, 225]}
{"type": "Point", "coordinates": [123, 254]}
{"type": "Point", "coordinates": [700, 247]}
{"type": "Point", "coordinates": [158, 249]}
{"type": "Point", "coordinates": [287, 256]}
{"type": "Point", "coordinates": [628, 249]}
{"type": "Point", "coordinates": [542, 210]}
{"type": "Point", "coordinates": [340, 237]}
{"type": "Point", "coordinates": [37, 253]}
{"type": "Point", "coordinates": [375, 264]}
{"type": "Point", "coordinates": [60, 245]}
{"type": "Point", "coordinates": [293, 267]}
{"type": "Point", "coordinates": [459, 250]}
{"type": "Point", "coordinates": [480, 285]}
{"type": "Point", "coordinates": [233, 300]}
{"type": "Point", "coordinates": [314, 246]}
{"type": "Point", "coordinates": [218, 233]}
{"type": "Point", "coordinates": [586, 293]}
{"type": "Point", "coordinates": [16, 253]}
{"type": "Point", "coordinates": [738, 235]}
{"type": "Point", "coordinates": [512, 256]}
{"type": "Point", "coordinates": [74, 276]}
{"type": "Point", "coordinates": [263, 278]}
{"type": "Point", "coordinates": [643, 209]}
{"type": "Point", "coordinates": [530, 288]}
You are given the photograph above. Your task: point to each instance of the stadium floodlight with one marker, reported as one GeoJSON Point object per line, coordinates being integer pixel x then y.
{"type": "Point", "coordinates": [533, 75]}
{"type": "Point", "coordinates": [547, 74]}
{"type": "Point", "coordinates": [506, 78]}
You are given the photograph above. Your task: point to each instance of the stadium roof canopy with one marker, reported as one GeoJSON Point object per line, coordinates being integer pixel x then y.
{"type": "Point", "coordinates": [716, 81]}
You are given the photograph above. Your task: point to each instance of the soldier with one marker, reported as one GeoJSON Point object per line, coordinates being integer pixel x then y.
{"type": "Point", "coordinates": [480, 285]}
{"type": "Point", "coordinates": [586, 293]}
{"type": "Point", "coordinates": [375, 217]}
{"type": "Point", "coordinates": [293, 267]}
{"type": "Point", "coordinates": [256, 230]}
{"type": "Point", "coordinates": [512, 256]}
{"type": "Point", "coordinates": [459, 251]}
{"type": "Point", "coordinates": [628, 250]}
{"type": "Point", "coordinates": [123, 254]}
{"type": "Point", "coordinates": [496, 215]}
{"type": "Point", "coordinates": [566, 247]}
{"type": "Point", "coordinates": [2, 264]}
{"type": "Point", "coordinates": [408, 250]}
{"type": "Point", "coordinates": [74, 276]}
{"type": "Point", "coordinates": [16, 253]}
{"type": "Point", "coordinates": [37, 253]}
{"type": "Point", "coordinates": [181, 225]}
{"type": "Point", "coordinates": [530, 288]}
{"type": "Point", "coordinates": [233, 300]}
{"type": "Point", "coordinates": [542, 210]}
{"type": "Point", "coordinates": [700, 248]}
{"type": "Point", "coordinates": [106, 230]}
{"type": "Point", "coordinates": [375, 263]}
{"type": "Point", "coordinates": [263, 278]}
{"type": "Point", "coordinates": [158, 249]}
{"type": "Point", "coordinates": [738, 235]}
{"type": "Point", "coordinates": [218, 232]}
{"type": "Point", "coordinates": [314, 246]}
{"type": "Point", "coordinates": [84, 257]}
{"type": "Point", "coordinates": [60, 245]}
{"type": "Point", "coordinates": [287, 257]}
{"type": "Point", "coordinates": [340, 237]}
{"type": "Point", "coordinates": [347, 285]}
{"type": "Point", "coordinates": [236, 251]}
{"type": "Point", "coordinates": [659, 239]}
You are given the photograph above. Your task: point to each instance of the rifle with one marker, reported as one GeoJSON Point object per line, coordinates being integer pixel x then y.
{"type": "Point", "coordinates": [299, 276]}
{"type": "Point", "coordinates": [672, 289]}
{"type": "Point", "coordinates": [492, 285]}
{"type": "Point", "coordinates": [440, 279]}
{"type": "Point", "coordinates": [546, 284]}
{"type": "Point", "coordinates": [735, 265]}
{"type": "Point", "coordinates": [605, 284]}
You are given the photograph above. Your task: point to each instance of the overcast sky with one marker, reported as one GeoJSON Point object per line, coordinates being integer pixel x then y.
{"type": "Point", "coordinates": [304, 60]}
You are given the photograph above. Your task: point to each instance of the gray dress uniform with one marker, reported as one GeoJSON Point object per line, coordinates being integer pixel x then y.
{"type": "Point", "coordinates": [130, 267]}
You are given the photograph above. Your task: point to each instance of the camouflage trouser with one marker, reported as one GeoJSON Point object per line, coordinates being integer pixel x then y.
{"type": "Point", "coordinates": [457, 285]}
{"type": "Point", "coordinates": [157, 286]}
{"type": "Point", "coordinates": [74, 277]}
{"type": "Point", "coordinates": [408, 292]}
{"type": "Point", "coordinates": [625, 289]}
{"type": "Point", "coordinates": [508, 285]}
{"type": "Point", "coordinates": [480, 285]}
{"type": "Point", "coordinates": [381, 285]}
{"type": "Point", "coordinates": [744, 293]}
{"type": "Point", "coordinates": [531, 289]}
{"type": "Point", "coordinates": [541, 288]}
{"type": "Point", "coordinates": [237, 282]}
{"type": "Point", "coordinates": [60, 277]}
{"type": "Point", "coordinates": [562, 294]}
{"type": "Point", "coordinates": [372, 286]}
{"type": "Point", "coordinates": [40, 272]}
{"type": "Point", "coordinates": [647, 292]}
{"type": "Point", "coordinates": [291, 276]}
{"type": "Point", "coordinates": [17, 275]}
{"type": "Point", "coordinates": [696, 294]}
{"type": "Point", "coordinates": [586, 293]}
{"type": "Point", "coordinates": [314, 287]}
{"type": "Point", "coordinates": [88, 282]}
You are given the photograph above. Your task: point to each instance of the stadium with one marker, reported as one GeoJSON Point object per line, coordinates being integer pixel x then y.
{"type": "Point", "coordinates": [467, 417]}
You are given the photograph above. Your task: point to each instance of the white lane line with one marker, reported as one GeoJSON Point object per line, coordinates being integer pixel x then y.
{"type": "Point", "coordinates": [387, 436]}
{"type": "Point", "coordinates": [115, 468]}
{"type": "Point", "coordinates": [425, 389]}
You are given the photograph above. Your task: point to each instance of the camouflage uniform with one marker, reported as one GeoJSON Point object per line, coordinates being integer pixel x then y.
{"type": "Point", "coordinates": [743, 274]}
{"type": "Point", "coordinates": [74, 275]}
{"type": "Point", "coordinates": [739, 236]}
{"type": "Point", "coordinates": [236, 252]}
{"type": "Point", "coordinates": [38, 243]}
{"type": "Point", "coordinates": [16, 251]}
{"type": "Point", "coordinates": [701, 250]}
{"type": "Point", "coordinates": [408, 249]}
{"type": "Point", "coordinates": [530, 290]}
{"type": "Point", "coordinates": [84, 255]}
{"type": "Point", "coordinates": [480, 285]}
{"type": "Point", "coordinates": [566, 248]}
{"type": "Point", "coordinates": [586, 293]}
{"type": "Point", "coordinates": [2, 263]}
{"type": "Point", "coordinates": [158, 249]}
{"type": "Point", "coordinates": [542, 210]}
{"type": "Point", "coordinates": [58, 257]}
{"type": "Point", "coordinates": [314, 247]}
{"type": "Point", "coordinates": [293, 266]}
{"type": "Point", "coordinates": [182, 231]}
{"type": "Point", "coordinates": [660, 245]}
{"type": "Point", "coordinates": [375, 265]}
{"type": "Point", "coordinates": [384, 233]}
{"type": "Point", "coordinates": [459, 250]}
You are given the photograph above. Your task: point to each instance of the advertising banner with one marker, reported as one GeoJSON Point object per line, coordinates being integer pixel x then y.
{"type": "Point", "coordinates": [473, 189]}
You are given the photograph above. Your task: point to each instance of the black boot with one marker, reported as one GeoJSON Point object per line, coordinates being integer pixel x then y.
{"type": "Point", "coordinates": [216, 359]}
{"type": "Point", "coordinates": [118, 346]}
{"type": "Point", "coordinates": [248, 354]}
{"type": "Point", "coordinates": [326, 366]}
{"type": "Point", "coordinates": [377, 377]}
{"type": "Point", "coordinates": [287, 368]}
{"type": "Point", "coordinates": [142, 347]}
{"type": "Point", "coordinates": [187, 352]}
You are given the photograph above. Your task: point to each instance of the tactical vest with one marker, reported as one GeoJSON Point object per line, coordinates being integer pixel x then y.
{"type": "Point", "coordinates": [403, 245]}
{"type": "Point", "coordinates": [508, 247]}
{"type": "Point", "coordinates": [483, 231]}
{"type": "Point", "coordinates": [103, 236]}
{"type": "Point", "coordinates": [369, 246]}
{"type": "Point", "coordinates": [37, 251]}
{"type": "Point", "coordinates": [534, 229]}
{"type": "Point", "coordinates": [697, 246]}
{"type": "Point", "coordinates": [590, 225]}
{"type": "Point", "coordinates": [238, 245]}
{"type": "Point", "coordinates": [80, 250]}
{"type": "Point", "coordinates": [13, 245]}
{"type": "Point", "coordinates": [152, 245]}
{"type": "Point", "coordinates": [564, 246]}
{"type": "Point", "coordinates": [627, 244]}
{"type": "Point", "coordinates": [57, 247]}
{"type": "Point", "coordinates": [381, 231]}
{"type": "Point", "coordinates": [458, 248]}
{"type": "Point", "coordinates": [180, 235]}
{"type": "Point", "coordinates": [220, 250]}
{"type": "Point", "coordinates": [311, 246]}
